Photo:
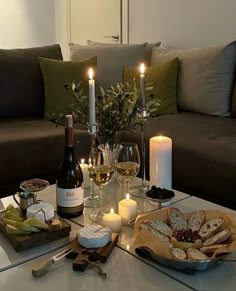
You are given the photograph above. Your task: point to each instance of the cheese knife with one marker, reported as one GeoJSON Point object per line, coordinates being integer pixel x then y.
{"type": "Point", "coordinates": [42, 267]}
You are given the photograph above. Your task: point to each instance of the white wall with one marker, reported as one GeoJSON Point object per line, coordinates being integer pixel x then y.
{"type": "Point", "coordinates": [26, 23]}
{"type": "Point", "coordinates": [62, 25]}
{"type": "Point", "coordinates": [183, 23]}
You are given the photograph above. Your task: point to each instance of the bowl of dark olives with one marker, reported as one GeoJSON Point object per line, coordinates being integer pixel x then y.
{"type": "Point", "coordinates": [157, 195]}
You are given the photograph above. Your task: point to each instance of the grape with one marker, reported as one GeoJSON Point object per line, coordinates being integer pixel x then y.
{"type": "Point", "coordinates": [186, 235]}
{"type": "Point", "coordinates": [159, 193]}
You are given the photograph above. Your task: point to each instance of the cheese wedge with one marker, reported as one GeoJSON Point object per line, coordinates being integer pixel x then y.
{"type": "Point", "coordinates": [42, 211]}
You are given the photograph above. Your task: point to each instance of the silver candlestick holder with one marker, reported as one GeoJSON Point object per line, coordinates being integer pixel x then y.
{"type": "Point", "coordinates": [93, 198]}
{"type": "Point", "coordinates": [140, 190]}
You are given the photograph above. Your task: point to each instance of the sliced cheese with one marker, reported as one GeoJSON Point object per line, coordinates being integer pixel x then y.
{"type": "Point", "coordinates": [94, 236]}
{"type": "Point", "coordinates": [43, 211]}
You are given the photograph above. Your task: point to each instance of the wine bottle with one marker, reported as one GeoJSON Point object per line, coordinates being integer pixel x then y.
{"type": "Point", "coordinates": [69, 184]}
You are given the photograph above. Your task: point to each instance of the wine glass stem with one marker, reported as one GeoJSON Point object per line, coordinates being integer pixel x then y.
{"type": "Point", "coordinates": [127, 184]}
{"type": "Point", "coordinates": [91, 188]}
{"type": "Point", "coordinates": [100, 194]}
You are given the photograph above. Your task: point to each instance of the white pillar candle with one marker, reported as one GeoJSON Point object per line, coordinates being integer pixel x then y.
{"type": "Point", "coordinates": [84, 168]}
{"type": "Point", "coordinates": [127, 209]}
{"type": "Point", "coordinates": [112, 220]}
{"type": "Point", "coordinates": [92, 114]}
{"type": "Point", "coordinates": [161, 162]}
{"type": "Point", "coordinates": [142, 85]}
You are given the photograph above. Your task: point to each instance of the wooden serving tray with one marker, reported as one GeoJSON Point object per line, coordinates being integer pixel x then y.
{"type": "Point", "coordinates": [80, 253]}
{"type": "Point", "coordinates": [23, 242]}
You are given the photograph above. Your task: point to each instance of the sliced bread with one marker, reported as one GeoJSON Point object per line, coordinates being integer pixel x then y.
{"type": "Point", "coordinates": [161, 226]}
{"type": "Point", "coordinates": [218, 238]}
{"type": "Point", "coordinates": [176, 219]}
{"type": "Point", "coordinates": [179, 253]}
{"type": "Point", "coordinates": [211, 249]}
{"type": "Point", "coordinates": [196, 255]}
{"type": "Point", "coordinates": [155, 232]}
{"type": "Point", "coordinates": [211, 227]}
{"type": "Point", "coordinates": [197, 220]}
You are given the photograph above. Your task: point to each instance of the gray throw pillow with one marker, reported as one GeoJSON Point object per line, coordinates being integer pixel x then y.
{"type": "Point", "coordinates": [148, 51]}
{"type": "Point", "coordinates": [205, 77]}
{"type": "Point", "coordinates": [110, 60]}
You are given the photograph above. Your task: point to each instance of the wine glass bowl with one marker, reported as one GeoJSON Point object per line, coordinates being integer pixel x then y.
{"type": "Point", "coordinates": [101, 175]}
{"type": "Point", "coordinates": [101, 171]}
{"type": "Point", "coordinates": [128, 161]}
{"type": "Point", "coordinates": [127, 170]}
{"type": "Point", "coordinates": [92, 199]}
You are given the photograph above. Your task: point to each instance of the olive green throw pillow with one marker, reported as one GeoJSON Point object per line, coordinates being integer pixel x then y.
{"type": "Point", "coordinates": [55, 74]}
{"type": "Point", "coordinates": [164, 80]}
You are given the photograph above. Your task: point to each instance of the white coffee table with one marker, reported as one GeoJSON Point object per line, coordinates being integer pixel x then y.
{"type": "Point", "coordinates": [221, 277]}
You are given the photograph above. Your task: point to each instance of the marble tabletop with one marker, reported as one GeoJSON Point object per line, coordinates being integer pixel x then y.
{"type": "Point", "coordinates": [124, 272]}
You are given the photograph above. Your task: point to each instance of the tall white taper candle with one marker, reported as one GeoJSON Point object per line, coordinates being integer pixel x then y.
{"type": "Point", "coordinates": [142, 85]}
{"type": "Point", "coordinates": [92, 115]}
{"type": "Point", "coordinates": [161, 162]}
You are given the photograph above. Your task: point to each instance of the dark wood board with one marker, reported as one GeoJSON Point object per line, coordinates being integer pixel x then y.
{"type": "Point", "coordinates": [23, 242]}
{"type": "Point", "coordinates": [79, 253]}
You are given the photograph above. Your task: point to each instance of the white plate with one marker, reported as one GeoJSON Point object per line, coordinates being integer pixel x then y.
{"type": "Point", "coordinates": [162, 202]}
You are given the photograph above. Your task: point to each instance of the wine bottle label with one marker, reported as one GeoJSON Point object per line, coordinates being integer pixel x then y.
{"type": "Point", "coordinates": [70, 197]}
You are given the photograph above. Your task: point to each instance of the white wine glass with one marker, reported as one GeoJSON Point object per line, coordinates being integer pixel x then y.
{"type": "Point", "coordinates": [101, 172]}
{"type": "Point", "coordinates": [93, 198]}
{"type": "Point", "coordinates": [128, 161]}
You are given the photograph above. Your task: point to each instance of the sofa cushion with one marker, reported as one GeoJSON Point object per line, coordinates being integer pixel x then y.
{"type": "Point", "coordinates": [55, 74]}
{"type": "Point", "coordinates": [21, 82]}
{"type": "Point", "coordinates": [205, 77]}
{"type": "Point", "coordinates": [163, 78]}
{"type": "Point", "coordinates": [204, 160]}
{"type": "Point", "coordinates": [110, 60]}
{"type": "Point", "coordinates": [29, 148]}
{"type": "Point", "coordinates": [148, 50]}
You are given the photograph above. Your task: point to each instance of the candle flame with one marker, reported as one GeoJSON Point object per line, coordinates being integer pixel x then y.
{"type": "Point", "coordinates": [142, 68]}
{"type": "Point", "coordinates": [90, 73]}
{"type": "Point", "coordinates": [127, 196]}
{"type": "Point", "coordinates": [112, 210]}
{"type": "Point", "coordinates": [82, 161]}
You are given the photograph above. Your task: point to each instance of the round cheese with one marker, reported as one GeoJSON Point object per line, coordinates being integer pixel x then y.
{"type": "Point", "coordinates": [43, 211]}
{"type": "Point", "coordinates": [94, 236]}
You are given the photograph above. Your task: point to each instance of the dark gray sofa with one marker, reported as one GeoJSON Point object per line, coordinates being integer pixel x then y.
{"type": "Point", "coordinates": [29, 145]}
{"type": "Point", "coordinates": [204, 147]}
{"type": "Point", "coordinates": [204, 154]}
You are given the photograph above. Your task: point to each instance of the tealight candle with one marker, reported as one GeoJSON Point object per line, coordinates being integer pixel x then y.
{"type": "Point", "coordinates": [112, 220]}
{"type": "Point", "coordinates": [84, 168]}
{"type": "Point", "coordinates": [161, 162]}
{"type": "Point", "coordinates": [127, 209]}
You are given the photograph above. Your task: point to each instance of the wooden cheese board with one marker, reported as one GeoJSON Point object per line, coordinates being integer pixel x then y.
{"type": "Point", "coordinates": [23, 242]}
{"type": "Point", "coordinates": [82, 257]}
